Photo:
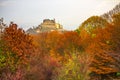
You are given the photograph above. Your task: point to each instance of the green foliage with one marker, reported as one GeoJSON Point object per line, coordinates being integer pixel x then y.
{"type": "Point", "coordinates": [92, 23]}
{"type": "Point", "coordinates": [118, 74]}
{"type": "Point", "coordinates": [2, 56]}
{"type": "Point", "coordinates": [93, 35]}
{"type": "Point", "coordinates": [74, 69]}
{"type": "Point", "coordinates": [2, 60]}
{"type": "Point", "coordinates": [8, 60]}
{"type": "Point", "coordinates": [78, 31]}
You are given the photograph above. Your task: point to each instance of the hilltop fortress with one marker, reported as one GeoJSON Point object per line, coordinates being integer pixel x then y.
{"type": "Point", "coordinates": [46, 26]}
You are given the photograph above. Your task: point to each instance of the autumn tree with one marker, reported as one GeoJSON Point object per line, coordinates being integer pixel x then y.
{"type": "Point", "coordinates": [45, 59]}
{"type": "Point", "coordinates": [18, 42]}
{"type": "Point", "coordinates": [52, 40]}
{"type": "Point", "coordinates": [76, 68]}
{"type": "Point", "coordinates": [15, 49]}
{"type": "Point", "coordinates": [102, 62]}
{"type": "Point", "coordinates": [69, 43]}
{"type": "Point", "coordinates": [115, 40]}
{"type": "Point", "coordinates": [108, 16]}
{"type": "Point", "coordinates": [92, 23]}
{"type": "Point", "coordinates": [105, 49]}
{"type": "Point", "coordinates": [86, 39]}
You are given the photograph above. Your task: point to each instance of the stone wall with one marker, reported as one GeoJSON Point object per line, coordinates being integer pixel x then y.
{"type": "Point", "coordinates": [46, 26]}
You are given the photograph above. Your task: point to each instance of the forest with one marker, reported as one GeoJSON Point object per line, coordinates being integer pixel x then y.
{"type": "Point", "coordinates": [91, 52]}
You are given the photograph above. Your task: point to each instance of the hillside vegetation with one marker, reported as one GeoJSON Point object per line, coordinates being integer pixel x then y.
{"type": "Point", "coordinates": [91, 52]}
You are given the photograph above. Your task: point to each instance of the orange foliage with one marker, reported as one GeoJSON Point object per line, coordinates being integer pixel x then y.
{"type": "Point", "coordinates": [70, 42]}
{"type": "Point", "coordinates": [18, 41]}
{"type": "Point", "coordinates": [57, 44]}
{"type": "Point", "coordinates": [103, 61]}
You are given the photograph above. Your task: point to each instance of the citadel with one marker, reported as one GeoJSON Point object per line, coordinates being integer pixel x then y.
{"type": "Point", "coordinates": [46, 26]}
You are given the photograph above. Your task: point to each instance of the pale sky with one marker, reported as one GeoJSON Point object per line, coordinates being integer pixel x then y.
{"type": "Point", "coordinates": [69, 13]}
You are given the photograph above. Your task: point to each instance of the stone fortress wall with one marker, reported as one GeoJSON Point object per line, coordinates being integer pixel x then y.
{"type": "Point", "coordinates": [46, 26]}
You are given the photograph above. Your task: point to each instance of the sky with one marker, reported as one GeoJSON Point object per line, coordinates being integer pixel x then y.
{"type": "Point", "coordinates": [69, 13]}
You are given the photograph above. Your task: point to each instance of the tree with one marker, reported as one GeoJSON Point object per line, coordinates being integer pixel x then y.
{"type": "Point", "coordinates": [92, 23]}
{"type": "Point", "coordinates": [53, 38]}
{"type": "Point", "coordinates": [76, 68]}
{"type": "Point", "coordinates": [15, 49]}
{"type": "Point", "coordinates": [115, 40]}
{"type": "Point", "coordinates": [40, 41]}
{"type": "Point", "coordinates": [71, 42]}
{"type": "Point", "coordinates": [102, 62]}
{"type": "Point", "coordinates": [18, 42]}
{"type": "Point", "coordinates": [105, 49]}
